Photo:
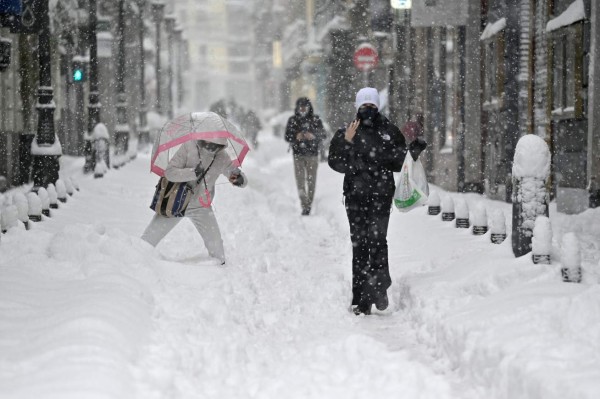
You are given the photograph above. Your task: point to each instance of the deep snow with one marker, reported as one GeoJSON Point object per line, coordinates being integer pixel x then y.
{"type": "Point", "coordinates": [88, 310]}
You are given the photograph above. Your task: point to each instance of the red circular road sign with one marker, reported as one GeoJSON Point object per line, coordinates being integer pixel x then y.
{"type": "Point", "coordinates": [365, 57]}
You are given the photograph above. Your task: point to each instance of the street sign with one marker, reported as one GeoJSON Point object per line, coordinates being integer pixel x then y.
{"type": "Point", "coordinates": [365, 57]}
{"type": "Point", "coordinates": [401, 4]}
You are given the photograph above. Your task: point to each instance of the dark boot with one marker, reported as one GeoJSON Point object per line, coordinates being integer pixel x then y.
{"type": "Point", "coordinates": [362, 309]}
{"type": "Point", "coordinates": [382, 301]}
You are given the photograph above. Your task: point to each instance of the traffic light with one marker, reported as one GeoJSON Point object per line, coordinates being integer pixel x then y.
{"type": "Point", "coordinates": [79, 72]}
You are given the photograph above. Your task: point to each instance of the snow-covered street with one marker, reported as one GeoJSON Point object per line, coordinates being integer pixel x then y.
{"type": "Point", "coordinates": [89, 310]}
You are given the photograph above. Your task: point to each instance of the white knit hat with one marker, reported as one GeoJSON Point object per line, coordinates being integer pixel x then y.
{"type": "Point", "coordinates": [367, 95]}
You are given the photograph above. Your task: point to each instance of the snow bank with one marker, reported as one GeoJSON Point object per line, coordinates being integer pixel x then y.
{"type": "Point", "coordinates": [505, 323]}
{"type": "Point", "coordinates": [69, 307]}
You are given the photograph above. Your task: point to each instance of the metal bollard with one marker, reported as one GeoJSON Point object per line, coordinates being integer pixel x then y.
{"type": "Point", "coordinates": [571, 259]}
{"type": "Point", "coordinates": [447, 209]}
{"type": "Point", "coordinates": [541, 242]}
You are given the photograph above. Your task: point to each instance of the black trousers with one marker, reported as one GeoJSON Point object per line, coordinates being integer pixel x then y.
{"type": "Point", "coordinates": [369, 218]}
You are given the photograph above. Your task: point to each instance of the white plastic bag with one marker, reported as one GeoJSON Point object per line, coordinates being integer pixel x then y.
{"type": "Point", "coordinates": [412, 189]}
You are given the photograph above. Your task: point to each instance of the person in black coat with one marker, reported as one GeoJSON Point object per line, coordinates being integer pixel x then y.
{"type": "Point", "coordinates": [368, 152]}
{"type": "Point", "coordinates": [304, 132]}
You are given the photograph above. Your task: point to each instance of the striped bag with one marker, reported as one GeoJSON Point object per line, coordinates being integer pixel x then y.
{"type": "Point", "coordinates": [171, 199]}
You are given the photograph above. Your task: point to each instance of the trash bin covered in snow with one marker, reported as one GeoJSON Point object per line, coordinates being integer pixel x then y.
{"type": "Point", "coordinates": [531, 169]}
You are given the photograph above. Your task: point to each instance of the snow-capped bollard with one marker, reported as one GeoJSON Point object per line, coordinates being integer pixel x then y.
{"type": "Point", "coordinates": [75, 183]}
{"type": "Point", "coordinates": [100, 169]}
{"type": "Point", "coordinates": [433, 204]}
{"type": "Point", "coordinates": [69, 187]}
{"type": "Point", "coordinates": [530, 197]}
{"type": "Point", "coordinates": [480, 223]}
{"type": "Point", "coordinates": [22, 205]}
{"type": "Point", "coordinates": [34, 207]}
{"type": "Point", "coordinates": [571, 259]}
{"type": "Point", "coordinates": [498, 227]}
{"type": "Point", "coordinates": [52, 196]}
{"type": "Point", "coordinates": [462, 213]}
{"type": "Point", "coordinates": [9, 218]}
{"type": "Point", "coordinates": [45, 200]}
{"type": "Point", "coordinates": [541, 242]}
{"type": "Point", "coordinates": [447, 209]}
{"type": "Point", "coordinates": [61, 190]}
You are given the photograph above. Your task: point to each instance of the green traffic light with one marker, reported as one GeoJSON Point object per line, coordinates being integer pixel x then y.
{"type": "Point", "coordinates": [77, 75]}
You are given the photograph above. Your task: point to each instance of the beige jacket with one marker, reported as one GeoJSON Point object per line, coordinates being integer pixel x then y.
{"type": "Point", "coordinates": [182, 169]}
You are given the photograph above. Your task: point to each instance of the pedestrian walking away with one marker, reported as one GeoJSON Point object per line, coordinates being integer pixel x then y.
{"type": "Point", "coordinates": [367, 152]}
{"type": "Point", "coordinates": [199, 161]}
{"type": "Point", "coordinates": [304, 132]}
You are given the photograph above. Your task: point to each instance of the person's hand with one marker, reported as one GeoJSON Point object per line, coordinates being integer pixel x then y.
{"type": "Point", "coordinates": [199, 170]}
{"type": "Point", "coordinates": [300, 136]}
{"type": "Point", "coordinates": [416, 147]}
{"type": "Point", "coordinates": [351, 130]}
{"type": "Point", "coordinates": [236, 178]}
{"type": "Point", "coordinates": [309, 136]}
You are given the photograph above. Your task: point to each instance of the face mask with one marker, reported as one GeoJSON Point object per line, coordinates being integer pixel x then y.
{"type": "Point", "coordinates": [212, 147]}
{"type": "Point", "coordinates": [367, 115]}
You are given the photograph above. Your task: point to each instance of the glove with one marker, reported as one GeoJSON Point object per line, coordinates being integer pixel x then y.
{"type": "Point", "coordinates": [236, 179]}
{"type": "Point", "coordinates": [416, 147]}
{"type": "Point", "coordinates": [199, 170]}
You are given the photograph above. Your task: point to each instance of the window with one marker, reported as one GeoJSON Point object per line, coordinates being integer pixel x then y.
{"type": "Point", "coordinates": [493, 79]}
{"type": "Point", "coordinates": [566, 66]}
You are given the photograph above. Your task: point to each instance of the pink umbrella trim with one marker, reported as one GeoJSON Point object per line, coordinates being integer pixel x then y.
{"type": "Point", "coordinates": [199, 136]}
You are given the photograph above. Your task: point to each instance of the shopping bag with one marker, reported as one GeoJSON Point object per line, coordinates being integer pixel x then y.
{"type": "Point", "coordinates": [412, 189]}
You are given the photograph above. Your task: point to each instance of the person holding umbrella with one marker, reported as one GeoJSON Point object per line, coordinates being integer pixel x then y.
{"type": "Point", "coordinates": [201, 157]}
{"type": "Point", "coordinates": [367, 152]}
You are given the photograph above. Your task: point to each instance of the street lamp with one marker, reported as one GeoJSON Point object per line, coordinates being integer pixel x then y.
{"type": "Point", "coordinates": [122, 127]}
{"type": "Point", "coordinates": [46, 148]}
{"type": "Point", "coordinates": [179, 61]}
{"type": "Point", "coordinates": [143, 131]}
{"type": "Point", "coordinates": [158, 11]}
{"type": "Point", "coordinates": [94, 105]}
{"type": "Point", "coordinates": [170, 26]}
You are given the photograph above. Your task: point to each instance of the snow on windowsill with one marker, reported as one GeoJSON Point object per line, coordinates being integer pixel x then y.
{"type": "Point", "coordinates": [493, 29]}
{"type": "Point", "coordinates": [575, 12]}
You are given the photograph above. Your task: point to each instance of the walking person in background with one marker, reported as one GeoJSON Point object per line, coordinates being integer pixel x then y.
{"type": "Point", "coordinates": [367, 152]}
{"type": "Point", "coordinates": [252, 126]}
{"type": "Point", "coordinates": [304, 131]}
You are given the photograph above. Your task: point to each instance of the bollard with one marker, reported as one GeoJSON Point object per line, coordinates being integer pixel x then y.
{"type": "Point", "coordinates": [530, 196]}
{"type": "Point", "coordinates": [447, 209]}
{"type": "Point", "coordinates": [34, 207]}
{"type": "Point", "coordinates": [462, 214]}
{"type": "Point", "coordinates": [9, 218]}
{"type": "Point", "coordinates": [498, 227]}
{"type": "Point", "coordinates": [20, 202]}
{"type": "Point", "coordinates": [45, 200]}
{"type": "Point", "coordinates": [480, 224]}
{"type": "Point", "coordinates": [571, 259]}
{"type": "Point", "coordinates": [52, 196]}
{"type": "Point", "coordinates": [69, 187]}
{"type": "Point", "coordinates": [101, 139]}
{"type": "Point", "coordinates": [541, 242]}
{"type": "Point", "coordinates": [433, 203]}
{"type": "Point", "coordinates": [61, 191]}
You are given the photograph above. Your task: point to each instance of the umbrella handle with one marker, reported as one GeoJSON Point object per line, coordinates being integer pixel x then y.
{"type": "Point", "coordinates": [208, 202]}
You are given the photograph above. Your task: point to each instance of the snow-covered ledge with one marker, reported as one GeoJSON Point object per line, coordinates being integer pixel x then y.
{"type": "Point", "coordinates": [54, 149]}
{"type": "Point", "coordinates": [493, 29]}
{"type": "Point", "coordinates": [575, 12]}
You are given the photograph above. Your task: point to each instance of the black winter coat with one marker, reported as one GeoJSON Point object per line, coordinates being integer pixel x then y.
{"type": "Point", "coordinates": [310, 123]}
{"type": "Point", "coordinates": [369, 162]}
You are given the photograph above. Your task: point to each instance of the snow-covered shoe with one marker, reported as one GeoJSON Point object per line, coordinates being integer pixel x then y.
{"type": "Point", "coordinates": [382, 302]}
{"type": "Point", "coordinates": [362, 309]}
